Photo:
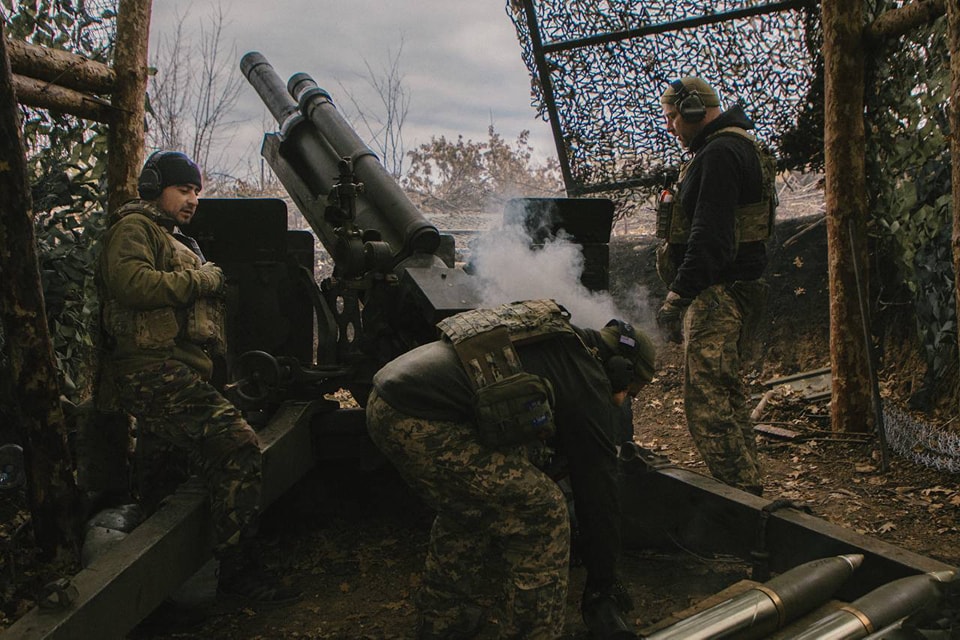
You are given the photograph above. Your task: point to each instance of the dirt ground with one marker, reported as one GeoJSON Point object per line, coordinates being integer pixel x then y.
{"type": "Point", "coordinates": [355, 541]}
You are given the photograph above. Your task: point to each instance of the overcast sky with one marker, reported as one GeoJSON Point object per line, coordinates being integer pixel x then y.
{"type": "Point", "coordinates": [460, 61]}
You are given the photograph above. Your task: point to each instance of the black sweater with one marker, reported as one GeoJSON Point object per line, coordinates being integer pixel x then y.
{"type": "Point", "coordinates": [724, 173]}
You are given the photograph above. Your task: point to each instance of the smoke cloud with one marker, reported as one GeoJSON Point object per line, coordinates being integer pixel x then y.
{"type": "Point", "coordinates": [511, 266]}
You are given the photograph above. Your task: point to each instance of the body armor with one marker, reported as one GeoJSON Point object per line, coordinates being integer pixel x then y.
{"type": "Point", "coordinates": [754, 221]}
{"type": "Point", "coordinates": [511, 406]}
{"type": "Point", "coordinates": [201, 323]}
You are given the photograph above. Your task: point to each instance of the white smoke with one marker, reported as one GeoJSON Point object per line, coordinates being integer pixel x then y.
{"type": "Point", "coordinates": [510, 268]}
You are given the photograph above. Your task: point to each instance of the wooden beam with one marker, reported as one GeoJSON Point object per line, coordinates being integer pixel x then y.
{"type": "Point", "coordinates": [896, 22]}
{"type": "Point", "coordinates": [125, 143]}
{"type": "Point", "coordinates": [953, 37]}
{"type": "Point", "coordinates": [43, 95]}
{"type": "Point", "coordinates": [62, 68]}
{"type": "Point", "coordinates": [129, 580]}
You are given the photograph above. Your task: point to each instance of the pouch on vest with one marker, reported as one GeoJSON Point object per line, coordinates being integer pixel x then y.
{"type": "Point", "coordinates": [511, 406]}
{"type": "Point", "coordinates": [664, 213]}
{"type": "Point", "coordinates": [515, 410]}
{"type": "Point", "coordinates": [155, 329]}
{"type": "Point", "coordinates": [205, 325]}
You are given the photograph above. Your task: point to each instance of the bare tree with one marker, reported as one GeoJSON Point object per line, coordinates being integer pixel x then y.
{"type": "Point", "coordinates": [192, 94]}
{"type": "Point", "coordinates": [384, 125]}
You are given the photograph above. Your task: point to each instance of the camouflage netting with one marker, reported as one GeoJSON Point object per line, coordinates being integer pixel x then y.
{"type": "Point", "coordinates": [607, 94]}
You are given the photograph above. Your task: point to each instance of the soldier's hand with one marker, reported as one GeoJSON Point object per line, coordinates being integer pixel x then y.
{"type": "Point", "coordinates": [670, 316]}
{"type": "Point", "coordinates": [211, 279]}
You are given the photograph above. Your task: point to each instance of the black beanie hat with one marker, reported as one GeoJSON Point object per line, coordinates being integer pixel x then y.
{"type": "Point", "coordinates": [164, 169]}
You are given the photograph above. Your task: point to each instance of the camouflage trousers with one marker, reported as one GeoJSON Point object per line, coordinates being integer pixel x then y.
{"type": "Point", "coordinates": [493, 507]}
{"type": "Point", "coordinates": [171, 401]}
{"type": "Point", "coordinates": [717, 330]}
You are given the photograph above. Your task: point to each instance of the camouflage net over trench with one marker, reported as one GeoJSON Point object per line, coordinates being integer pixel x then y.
{"type": "Point", "coordinates": [607, 94]}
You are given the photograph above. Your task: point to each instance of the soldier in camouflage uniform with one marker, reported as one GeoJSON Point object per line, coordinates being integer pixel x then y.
{"type": "Point", "coordinates": [714, 226]}
{"type": "Point", "coordinates": [496, 509]}
{"type": "Point", "coordinates": [162, 313]}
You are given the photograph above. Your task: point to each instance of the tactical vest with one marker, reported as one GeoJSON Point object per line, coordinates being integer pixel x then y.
{"type": "Point", "coordinates": [511, 406]}
{"type": "Point", "coordinates": [752, 222]}
{"type": "Point", "coordinates": [201, 323]}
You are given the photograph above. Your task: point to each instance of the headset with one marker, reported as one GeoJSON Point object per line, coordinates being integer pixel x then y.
{"type": "Point", "coordinates": [148, 186]}
{"type": "Point", "coordinates": [620, 368]}
{"type": "Point", "coordinates": [689, 103]}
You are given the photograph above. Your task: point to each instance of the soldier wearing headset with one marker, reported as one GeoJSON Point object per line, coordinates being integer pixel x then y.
{"type": "Point", "coordinates": [466, 420]}
{"type": "Point", "coordinates": [714, 225]}
{"type": "Point", "coordinates": [162, 315]}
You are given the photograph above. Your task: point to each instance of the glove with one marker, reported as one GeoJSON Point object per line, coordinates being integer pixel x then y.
{"type": "Point", "coordinates": [670, 316]}
{"type": "Point", "coordinates": [211, 279]}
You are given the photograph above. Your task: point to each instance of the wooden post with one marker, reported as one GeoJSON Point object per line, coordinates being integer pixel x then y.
{"type": "Point", "coordinates": [953, 37]}
{"type": "Point", "coordinates": [844, 148]}
{"type": "Point", "coordinates": [125, 143]}
{"type": "Point", "coordinates": [40, 422]}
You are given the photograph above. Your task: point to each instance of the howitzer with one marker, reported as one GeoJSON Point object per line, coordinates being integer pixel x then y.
{"type": "Point", "coordinates": [394, 275]}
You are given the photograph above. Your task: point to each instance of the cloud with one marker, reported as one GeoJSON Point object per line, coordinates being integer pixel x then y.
{"type": "Point", "coordinates": [461, 60]}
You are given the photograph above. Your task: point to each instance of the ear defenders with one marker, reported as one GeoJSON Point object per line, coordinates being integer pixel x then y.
{"type": "Point", "coordinates": [689, 103]}
{"type": "Point", "coordinates": [165, 168]}
{"type": "Point", "coordinates": [148, 186]}
{"type": "Point", "coordinates": [620, 368]}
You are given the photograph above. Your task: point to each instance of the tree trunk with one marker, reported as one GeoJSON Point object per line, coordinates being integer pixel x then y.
{"type": "Point", "coordinates": [60, 67]}
{"type": "Point", "coordinates": [125, 141]}
{"type": "Point", "coordinates": [846, 212]}
{"type": "Point", "coordinates": [36, 396]}
{"type": "Point", "coordinates": [953, 35]}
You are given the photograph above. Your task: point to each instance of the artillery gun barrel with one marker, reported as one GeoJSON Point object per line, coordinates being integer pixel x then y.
{"type": "Point", "coordinates": [392, 212]}
{"type": "Point", "coordinates": [269, 87]}
{"type": "Point", "coordinates": [306, 155]}
{"type": "Point", "coordinates": [303, 161]}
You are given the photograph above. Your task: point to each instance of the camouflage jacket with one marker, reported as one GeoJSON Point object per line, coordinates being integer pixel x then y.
{"type": "Point", "coordinates": [148, 282]}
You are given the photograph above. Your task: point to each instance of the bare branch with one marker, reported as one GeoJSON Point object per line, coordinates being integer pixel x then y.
{"type": "Point", "coordinates": [384, 125]}
{"type": "Point", "coordinates": [193, 93]}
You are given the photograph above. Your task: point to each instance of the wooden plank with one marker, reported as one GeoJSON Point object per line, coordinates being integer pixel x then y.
{"type": "Point", "coordinates": [122, 586]}
{"type": "Point", "coordinates": [126, 583]}
{"type": "Point", "coordinates": [665, 507]}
